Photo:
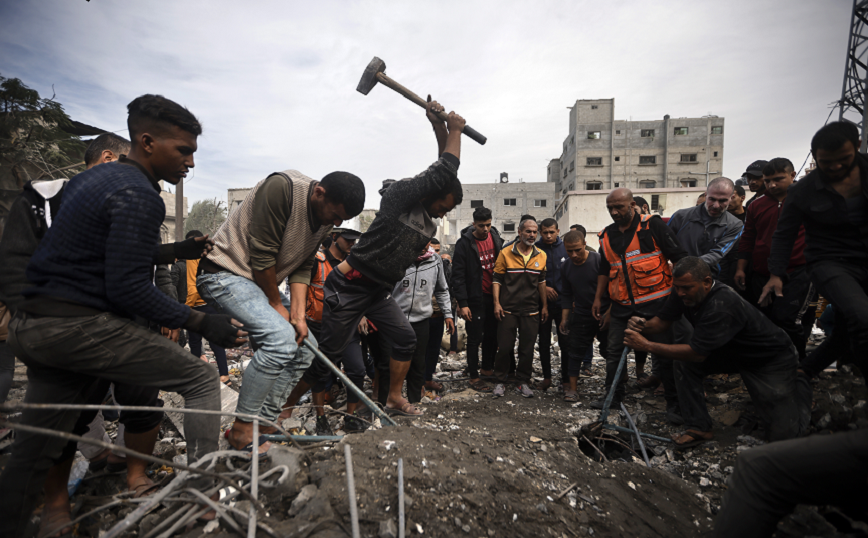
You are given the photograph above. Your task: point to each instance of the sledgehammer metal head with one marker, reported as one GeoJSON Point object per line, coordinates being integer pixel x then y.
{"type": "Point", "coordinates": [369, 77]}
{"type": "Point", "coordinates": [375, 72]}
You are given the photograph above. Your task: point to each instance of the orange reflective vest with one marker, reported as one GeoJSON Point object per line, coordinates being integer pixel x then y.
{"type": "Point", "coordinates": [637, 277]}
{"type": "Point", "coordinates": [315, 290]}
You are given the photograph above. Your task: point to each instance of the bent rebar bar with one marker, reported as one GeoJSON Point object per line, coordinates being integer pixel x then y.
{"type": "Point", "coordinates": [638, 436]}
{"type": "Point", "coordinates": [384, 418]}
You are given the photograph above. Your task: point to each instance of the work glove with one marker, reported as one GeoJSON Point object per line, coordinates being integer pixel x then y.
{"type": "Point", "coordinates": [218, 329]}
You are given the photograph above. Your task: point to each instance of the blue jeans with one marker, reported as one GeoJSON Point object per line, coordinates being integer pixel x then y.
{"type": "Point", "coordinates": [278, 362]}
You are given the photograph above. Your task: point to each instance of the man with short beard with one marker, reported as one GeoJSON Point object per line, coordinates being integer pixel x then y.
{"type": "Point", "coordinates": [519, 293]}
{"type": "Point", "coordinates": [754, 177]}
{"type": "Point", "coordinates": [832, 204]}
{"type": "Point", "coordinates": [753, 249]}
{"type": "Point", "coordinates": [634, 267]}
{"type": "Point", "coordinates": [730, 337]}
{"type": "Point", "coordinates": [736, 204]}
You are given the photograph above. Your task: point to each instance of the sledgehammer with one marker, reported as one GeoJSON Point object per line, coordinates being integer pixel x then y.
{"type": "Point", "coordinates": [375, 73]}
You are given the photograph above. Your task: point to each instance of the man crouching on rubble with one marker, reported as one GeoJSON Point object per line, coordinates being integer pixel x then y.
{"type": "Point", "coordinates": [91, 274]}
{"type": "Point", "coordinates": [274, 236]}
{"type": "Point", "coordinates": [362, 284]}
{"type": "Point", "coordinates": [730, 336]}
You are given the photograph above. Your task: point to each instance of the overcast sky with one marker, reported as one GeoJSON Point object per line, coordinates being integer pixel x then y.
{"type": "Point", "coordinates": [274, 82]}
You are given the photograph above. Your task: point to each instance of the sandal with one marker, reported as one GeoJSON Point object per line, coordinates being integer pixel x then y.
{"type": "Point", "coordinates": [406, 410]}
{"type": "Point", "coordinates": [694, 438]}
{"type": "Point", "coordinates": [143, 488]}
{"type": "Point", "coordinates": [480, 386]}
{"type": "Point", "coordinates": [571, 396]}
{"type": "Point", "coordinates": [433, 385]}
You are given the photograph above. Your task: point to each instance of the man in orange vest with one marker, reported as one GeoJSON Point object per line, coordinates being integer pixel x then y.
{"type": "Point", "coordinates": [326, 260]}
{"type": "Point", "coordinates": [634, 267]}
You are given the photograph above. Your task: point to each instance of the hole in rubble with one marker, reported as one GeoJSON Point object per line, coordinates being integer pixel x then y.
{"type": "Point", "coordinates": [608, 445]}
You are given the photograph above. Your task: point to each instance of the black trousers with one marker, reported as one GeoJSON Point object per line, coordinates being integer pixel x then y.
{"type": "Point", "coordinates": [614, 349]}
{"type": "Point", "coordinates": [845, 285]}
{"type": "Point", "coordinates": [769, 481]}
{"type": "Point", "coordinates": [196, 343]}
{"type": "Point", "coordinates": [527, 328]}
{"type": "Point", "coordinates": [781, 396]}
{"type": "Point", "coordinates": [481, 330]}
{"type": "Point", "coordinates": [583, 330]}
{"type": "Point", "coordinates": [416, 373]}
{"type": "Point", "coordinates": [545, 344]}
{"type": "Point", "coordinates": [836, 347]}
{"type": "Point", "coordinates": [432, 353]}
{"type": "Point", "coordinates": [788, 312]}
{"type": "Point", "coordinates": [65, 357]}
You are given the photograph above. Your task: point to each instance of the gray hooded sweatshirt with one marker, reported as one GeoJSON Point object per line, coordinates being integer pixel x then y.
{"type": "Point", "coordinates": [423, 279]}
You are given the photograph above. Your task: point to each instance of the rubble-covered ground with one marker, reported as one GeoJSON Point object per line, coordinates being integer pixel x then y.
{"type": "Point", "coordinates": [484, 467]}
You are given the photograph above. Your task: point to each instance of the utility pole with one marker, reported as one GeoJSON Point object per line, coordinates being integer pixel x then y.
{"type": "Point", "coordinates": [179, 211]}
{"type": "Point", "coordinates": [853, 92]}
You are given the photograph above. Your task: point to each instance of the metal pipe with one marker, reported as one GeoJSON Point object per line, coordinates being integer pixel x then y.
{"type": "Point", "coordinates": [81, 407]}
{"type": "Point", "coordinates": [638, 436]}
{"type": "Point", "coordinates": [384, 418]}
{"type": "Point", "coordinates": [351, 490]}
{"type": "Point", "coordinates": [629, 431]}
{"type": "Point", "coordinates": [254, 480]}
{"type": "Point", "coordinates": [604, 414]}
{"type": "Point", "coordinates": [401, 498]}
{"type": "Point", "coordinates": [304, 438]}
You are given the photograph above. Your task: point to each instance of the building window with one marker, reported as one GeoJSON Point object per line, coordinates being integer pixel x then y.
{"type": "Point", "coordinates": [509, 201]}
{"type": "Point", "coordinates": [715, 154]}
{"type": "Point", "coordinates": [593, 107]}
{"type": "Point", "coordinates": [572, 140]}
{"type": "Point", "coordinates": [475, 203]}
{"type": "Point", "coordinates": [594, 185]}
{"type": "Point", "coordinates": [647, 184]}
{"type": "Point", "coordinates": [508, 226]}
{"type": "Point", "coordinates": [680, 131]}
{"type": "Point", "coordinates": [688, 182]}
{"type": "Point", "coordinates": [540, 203]}
{"type": "Point", "coordinates": [617, 159]}
{"type": "Point", "coordinates": [572, 186]}
{"type": "Point", "coordinates": [617, 184]}
{"type": "Point", "coordinates": [647, 133]}
{"type": "Point", "coordinates": [688, 157]}
{"type": "Point", "coordinates": [572, 166]}
{"type": "Point", "coordinates": [648, 159]}
{"type": "Point", "coordinates": [593, 135]}
{"type": "Point", "coordinates": [717, 129]}
{"type": "Point", "coordinates": [595, 161]}
{"type": "Point", "coordinates": [655, 202]}
{"type": "Point", "coordinates": [617, 132]}
{"type": "Point", "coordinates": [565, 172]}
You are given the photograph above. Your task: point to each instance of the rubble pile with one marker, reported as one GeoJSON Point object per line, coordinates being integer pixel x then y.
{"type": "Point", "coordinates": [484, 467]}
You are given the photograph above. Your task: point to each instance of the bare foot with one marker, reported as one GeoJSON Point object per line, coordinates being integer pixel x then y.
{"type": "Point", "coordinates": [51, 524]}
{"type": "Point", "coordinates": [225, 380]}
{"type": "Point", "coordinates": [284, 415]}
{"type": "Point", "coordinates": [204, 358]}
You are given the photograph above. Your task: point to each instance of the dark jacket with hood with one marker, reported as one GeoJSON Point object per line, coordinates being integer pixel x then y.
{"type": "Point", "coordinates": [402, 226]}
{"type": "Point", "coordinates": [28, 220]}
{"type": "Point", "coordinates": [466, 284]}
{"type": "Point", "coordinates": [556, 255]}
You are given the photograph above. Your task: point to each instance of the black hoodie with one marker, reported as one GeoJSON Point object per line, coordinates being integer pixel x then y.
{"type": "Point", "coordinates": [467, 269]}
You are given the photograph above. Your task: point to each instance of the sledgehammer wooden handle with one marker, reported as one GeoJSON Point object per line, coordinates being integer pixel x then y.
{"type": "Point", "coordinates": [384, 79]}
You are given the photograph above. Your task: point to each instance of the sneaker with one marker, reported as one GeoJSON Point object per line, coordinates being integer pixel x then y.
{"type": "Point", "coordinates": [499, 390]}
{"type": "Point", "coordinates": [598, 404]}
{"type": "Point", "coordinates": [524, 390]}
{"type": "Point", "coordinates": [354, 425]}
{"type": "Point", "coordinates": [323, 427]}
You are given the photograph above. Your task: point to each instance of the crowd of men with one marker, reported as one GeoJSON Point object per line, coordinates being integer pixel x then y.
{"type": "Point", "coordinates": [725, 286]}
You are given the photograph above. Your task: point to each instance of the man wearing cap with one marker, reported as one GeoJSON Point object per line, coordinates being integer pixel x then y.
{"type": "Point", "coordinates": [754, 177]}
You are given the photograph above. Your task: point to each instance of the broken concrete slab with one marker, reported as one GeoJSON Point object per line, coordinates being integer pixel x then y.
{"type": "Point", "coordinates": [173, 400]}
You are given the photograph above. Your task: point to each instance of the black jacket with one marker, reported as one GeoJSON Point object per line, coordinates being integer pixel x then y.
{"type": "Point", "coordinates": [26, 224]}
{"type": "Point", "coordinates": [829, 235]}
{"type": "Point", "coordinates": [466, 286]}
{"type": "Point", "coordinates": [179, 280]}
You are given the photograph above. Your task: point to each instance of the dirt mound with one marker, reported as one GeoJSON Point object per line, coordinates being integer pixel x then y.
{"type": "Point", "coordinates": [478, 485]}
